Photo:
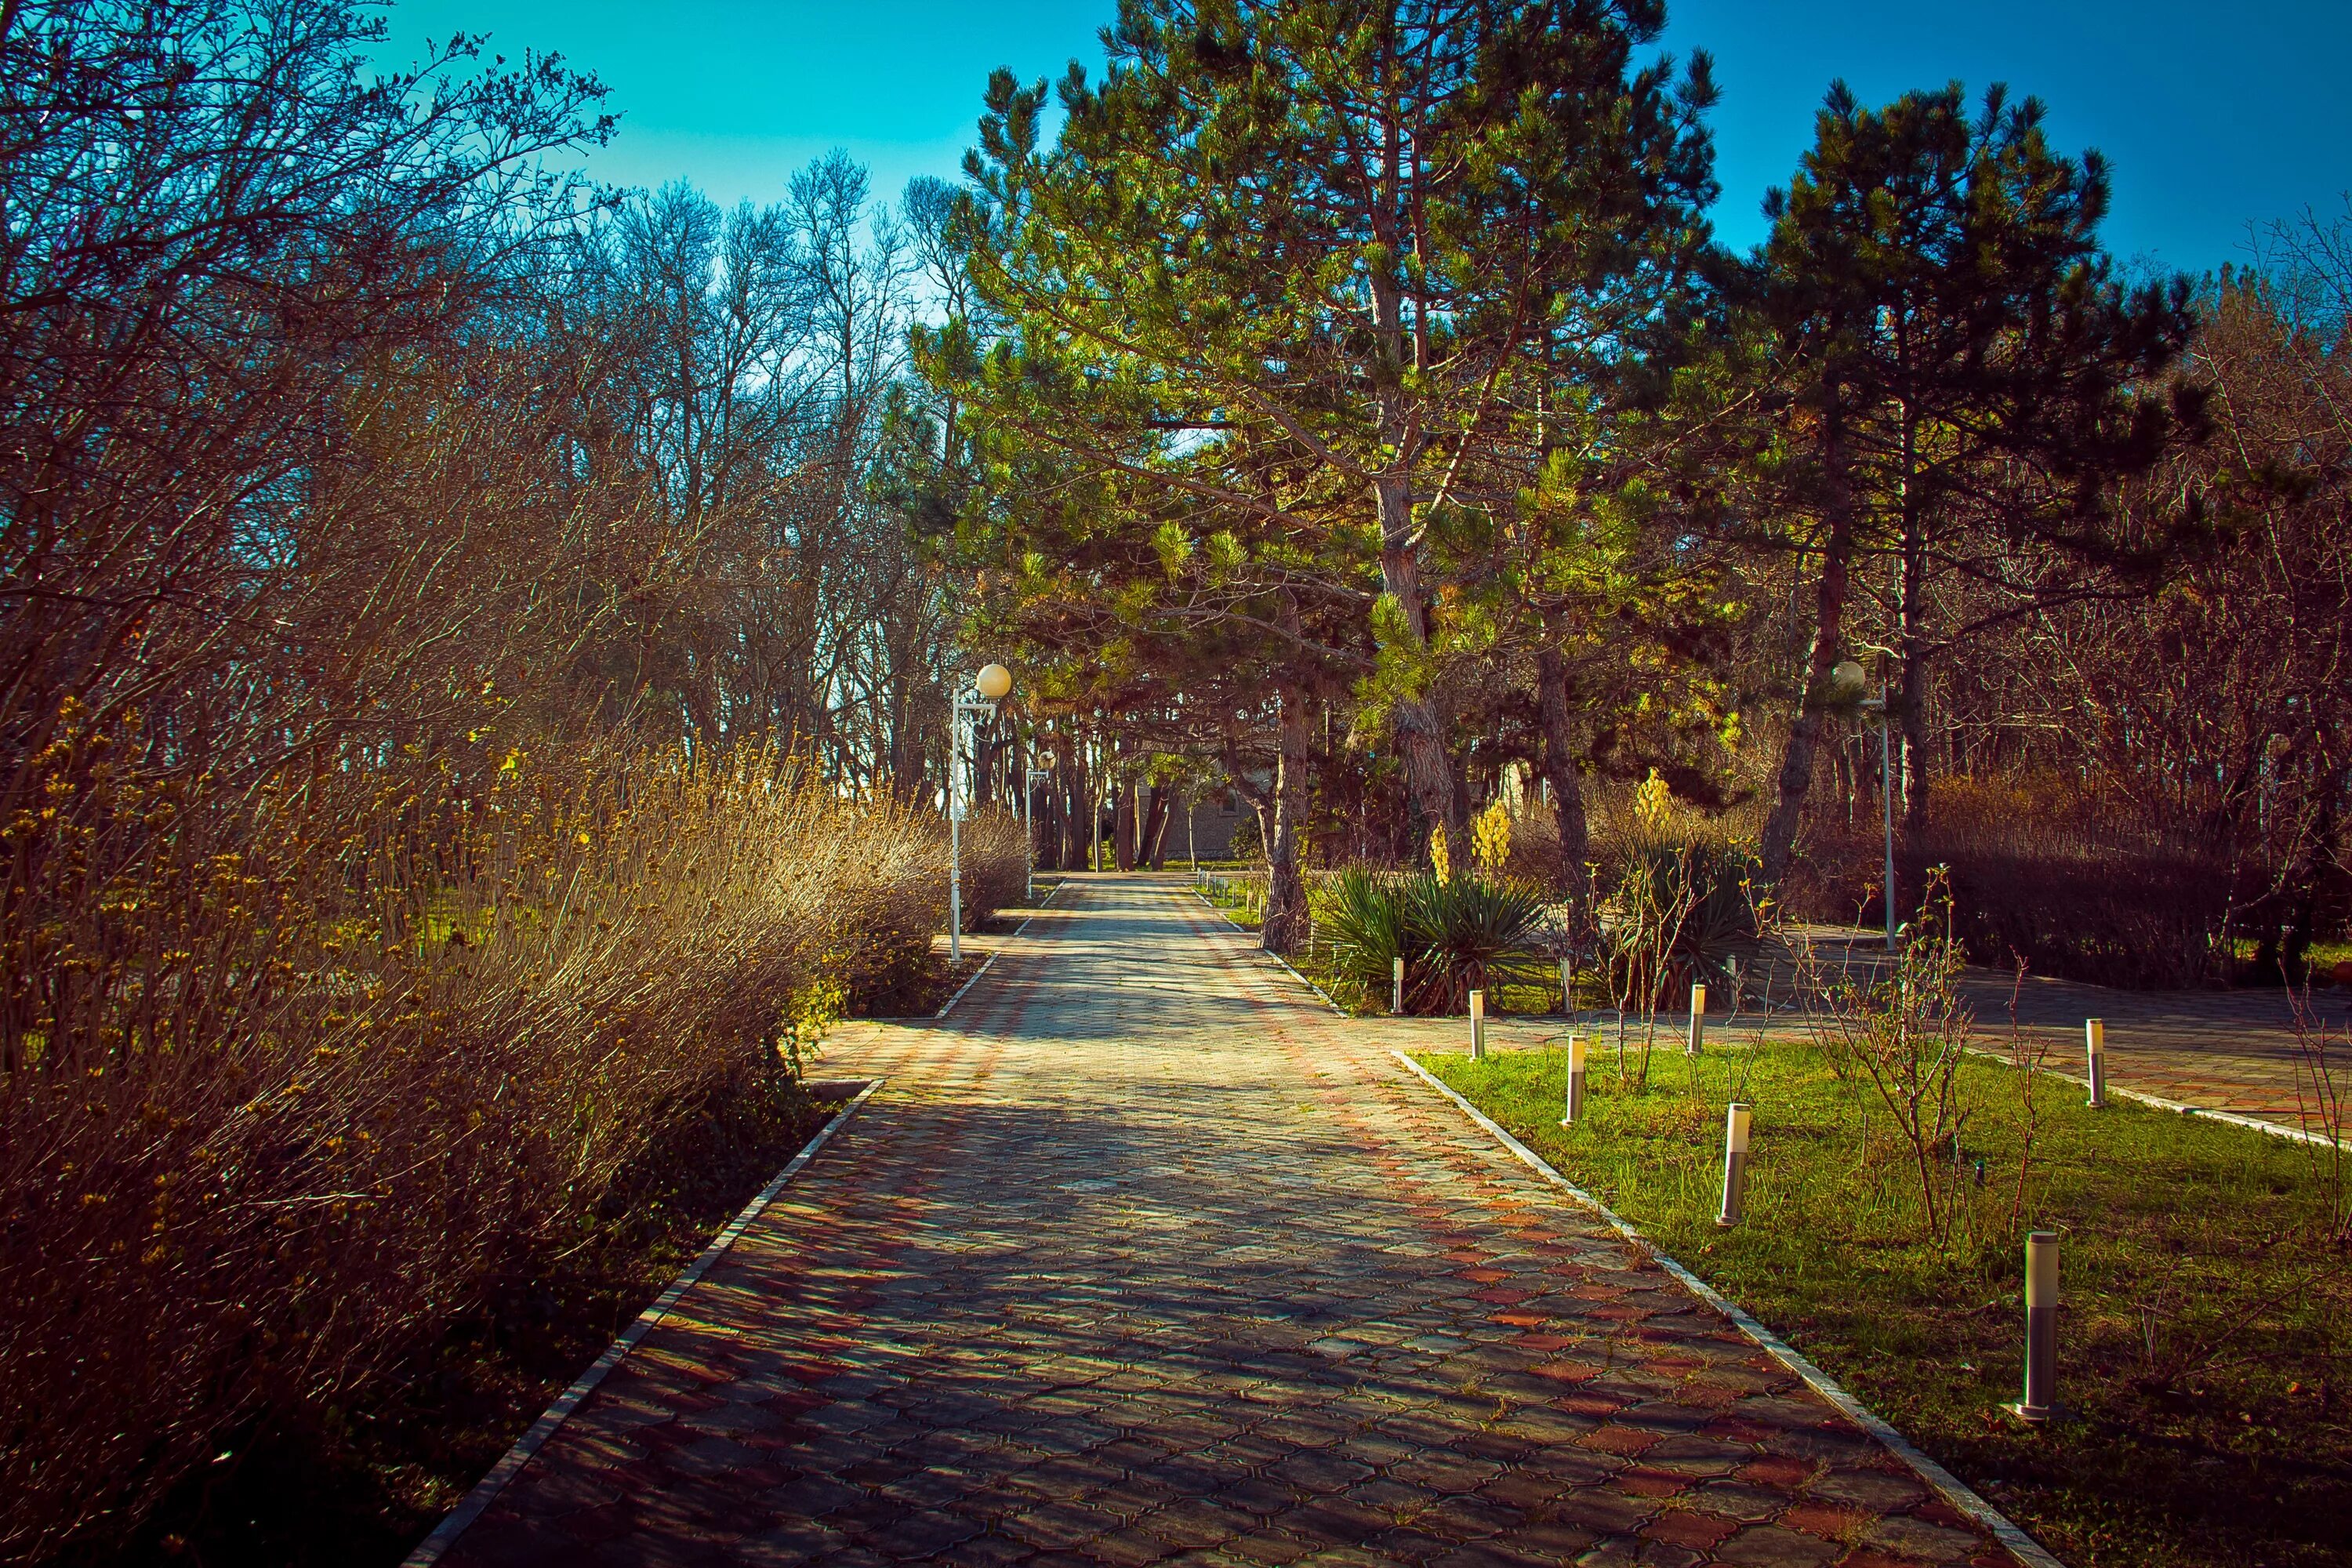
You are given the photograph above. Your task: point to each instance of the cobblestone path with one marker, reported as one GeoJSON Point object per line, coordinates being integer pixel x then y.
{"type": "Point", "coordinates": [1142, 1257]}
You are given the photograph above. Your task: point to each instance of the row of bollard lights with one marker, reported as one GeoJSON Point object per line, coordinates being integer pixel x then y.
{"type": "Point", "coordinates": [2039, 1402]}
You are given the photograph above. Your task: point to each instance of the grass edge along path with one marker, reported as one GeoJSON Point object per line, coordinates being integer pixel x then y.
{"type": "Point", "coordinates": [1949, 1487]}
{"type": "Point", "coordinates": [431, 1550]}
{"type": "Point", "coordinates": [2206, 1325]}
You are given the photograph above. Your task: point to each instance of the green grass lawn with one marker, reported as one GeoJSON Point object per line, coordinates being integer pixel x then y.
{"type": "Point", "coordinates": [1242, 899]}
{"type": "Point", "coordinates": [2207, 1325]}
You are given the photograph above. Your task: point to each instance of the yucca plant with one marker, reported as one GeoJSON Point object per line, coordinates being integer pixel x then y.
{"type": "Point", "coordinates": [1470, 933]}
{"type": "Point", "coordinates": [1363, 917]}
{"type": "Point", "coordinates": [1455, 935]}
{"type": "Point", "coordinates": [1684, 906]}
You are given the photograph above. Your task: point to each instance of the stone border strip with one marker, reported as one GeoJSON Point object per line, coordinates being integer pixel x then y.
{"type": "Point", "coordinates": [1954, 1490]}
{"type": "Point", "coordinates": [444, 1535]}
{"type": "Point", "coordinates": [989, 961]}
{"type": "Point", "coordinates": [1267, 952]}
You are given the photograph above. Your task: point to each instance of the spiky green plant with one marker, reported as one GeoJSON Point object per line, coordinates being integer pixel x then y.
{"type": "Point", "coordinates": [1470, 933]}
{"type": "Point", "coordinates": [1363, 916]}
{"type": "Point", "coordinates": [1455, 935]}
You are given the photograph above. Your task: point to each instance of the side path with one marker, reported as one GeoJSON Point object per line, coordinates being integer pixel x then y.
{"type": "Point", "coordinates": [1141, 1256]}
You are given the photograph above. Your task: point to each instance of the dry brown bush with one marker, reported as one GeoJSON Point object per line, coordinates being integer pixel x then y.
{"type": "Point", "coordinates": [286, 1083]}
{"type": "Point", "coordinates": [995, 865]}
{"type": "Point", "coordinates": [2078, 886]}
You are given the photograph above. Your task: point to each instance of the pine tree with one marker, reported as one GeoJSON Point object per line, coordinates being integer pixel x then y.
{"type": "Point", "coordinates": [1946, 328]}
{"type": "Point", "coordinates": [1307, 263]}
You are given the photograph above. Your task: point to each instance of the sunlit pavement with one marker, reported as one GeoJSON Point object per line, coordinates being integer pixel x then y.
{"type": "Point", "coordinates": [1142, 1256]}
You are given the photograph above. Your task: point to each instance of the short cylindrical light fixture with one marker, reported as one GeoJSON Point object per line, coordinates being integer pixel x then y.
{"type": "Point", "coordinates": [1735, 1162]}
{"type": "Point", "coordinates": [1698, 1020]}
{"type": "Point", "coordinates": [1396, 986]}
{"type": "Point", "coordinates": [1572, 1110]}
{"type": "Point", "coordinates": [2041, 1401]}
{"type": "Point", "coordinates": [1478, 1025]}
{"type": "Point", "coordinates": [2095, 1052]}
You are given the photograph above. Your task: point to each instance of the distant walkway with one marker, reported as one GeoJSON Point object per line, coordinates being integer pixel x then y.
{"type": "Point", "coordinates": [1142, 1257]}
{"type": "Point", "coordinates": [2219, 1051]}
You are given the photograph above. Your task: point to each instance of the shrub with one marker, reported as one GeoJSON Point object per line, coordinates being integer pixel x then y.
{"type": "Point", "coordinates": [1677, 892]}
{"type": "Point", "coordinates": [1456, 935]}
{"type": "Point", "coordinates": [1470, 933]}
{"type": "Point", "coordinates": [995, 865]}
{"type": "Point", "coordinates": [2080, 887]}
{"type": "Point", "coordinates": [1535, 846]}
{"type": "Point", "coordinates": [287, 1080]}
{"type": "Point", "coordinates": [1249, 839]}
{"type": "Point", "coordinates": [1689, 894]}
{"type": "Point", "coordinates": [1363, 917]}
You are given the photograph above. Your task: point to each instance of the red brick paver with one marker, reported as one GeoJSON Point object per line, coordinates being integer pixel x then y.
{"type": "Point", "coordinates": [1141, 1256]}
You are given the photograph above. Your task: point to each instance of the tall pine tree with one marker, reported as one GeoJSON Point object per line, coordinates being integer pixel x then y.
{"type": "Point", "coordinates": [1940, 314]}
{"type": "Point", "coordinates": [1322, 253]}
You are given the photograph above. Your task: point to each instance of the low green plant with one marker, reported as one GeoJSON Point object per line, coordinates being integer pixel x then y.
{"type": "Point", "coordinates": [1456, 935]}
{"type": "Point", "coordinates": [1684, 908]}
{"type": "Point", "coordinates": [1470, 933]}
{"type": "Point", "coordinates": [1362, 926]}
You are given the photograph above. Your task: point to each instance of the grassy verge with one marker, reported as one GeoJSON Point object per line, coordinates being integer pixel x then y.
{"type": "Point", "coordinates": [2207, 1331]}
{"type": "Point", "coordinates": [368, 1478]}
{"type": "Point", "coordinates": [1243, 898]}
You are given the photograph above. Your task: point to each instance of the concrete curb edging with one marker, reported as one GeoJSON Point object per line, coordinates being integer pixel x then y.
{"type": "Point", "coordinates": [444, 1535]}
{"type": "Point", "coordinates": [1953, 1490]}
{"type": "Point", "coordinates": [2203, 1113]}
{"type": "Point", "coordinates": [990, 961]}
{"type": "Point", "coordinates": [1266, 953]}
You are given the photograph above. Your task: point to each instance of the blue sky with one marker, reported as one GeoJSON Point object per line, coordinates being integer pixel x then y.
{"type": "Point", "coordinates": [2214, 116]}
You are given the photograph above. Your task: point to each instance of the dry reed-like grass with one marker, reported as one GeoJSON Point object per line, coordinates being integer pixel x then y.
{"type": "Point", "coordinates": [286, 1079]}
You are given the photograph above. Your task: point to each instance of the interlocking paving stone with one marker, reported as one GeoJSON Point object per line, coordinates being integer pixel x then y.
{"type": "Point", "coordinates": [1142, 1259]}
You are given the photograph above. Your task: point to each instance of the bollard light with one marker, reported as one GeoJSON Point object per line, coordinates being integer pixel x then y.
{"type": "Point", "coordinates": [2094, 1051]}
{"type": "Point", "coordinates": [1698, 1020]}
{"type": "Point", "coordinates": [1572, 1111]}
{"type": "Point", "coordinates": [1568, 988]}
{"type": "Point", "coordinates": [1735, 1162]}
{"type": "Point", "coordinates": [1396, 986]}
{"type": "Point", "coordinates": [1478, 1025]}
{"type": "Point", "coordinates": [2041, 1401]}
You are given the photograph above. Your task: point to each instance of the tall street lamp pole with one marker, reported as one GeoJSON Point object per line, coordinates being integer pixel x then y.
{"type": "Point", "coordinates": [989, 687]}
{"type": "Point", "coordinates": [1886, 798]}
{"type": "Point", "coordinates": [1038, 778]}
{"type": "Point", "coordinates": [1847, 683]}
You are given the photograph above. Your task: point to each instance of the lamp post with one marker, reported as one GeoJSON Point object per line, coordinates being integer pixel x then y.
{"type": "Point", "coordinates": [1849, 676]}
{"type": "Point", "coordinates": [1038, 778]}
{"type": "Point", "coordinates": [989, 687]}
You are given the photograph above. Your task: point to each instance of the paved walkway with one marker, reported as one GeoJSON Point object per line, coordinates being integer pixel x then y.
{"type": "Point", "coordinates": [1142, 1258]}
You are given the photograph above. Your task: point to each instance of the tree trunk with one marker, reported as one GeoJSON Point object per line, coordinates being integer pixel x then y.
{"type": "Point", "coordinates": [1428, 774]}
{"type": "Point", "coordinates": [1076, 800]}
{"type": "Point", "coordinates": [1284, 925]}
{"type": "Point", "coordinates": [1153, 850]}
{"type": "Point", "coordinates": [1559, 772]}
{"type": "Point", "coordinates": [1913, 635]}
{"type": "Point", "coordinates": [1796, 778]}
{"type": "Point", "coordinates": [1122, 828]}
{"type": "Point", "coordinates": [1285, 900]}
